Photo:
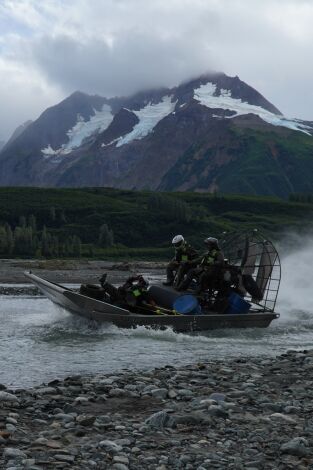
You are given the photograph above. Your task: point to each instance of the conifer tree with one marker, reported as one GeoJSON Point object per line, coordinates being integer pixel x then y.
{"type": "Point", "coordinates": [106, 236]}
{"type": "Point", "coordinates": [3, 241]}
{"type": "Point", "coordinates": [10, 240]}
{"type": "Point", "coordinates": [77, 246]}
{"type": "Point", "coordinates": [23, 240]}
{"type": "Point", "coordinates": [52, 214]}
{"type": "Point", "coordinates": [45, 243]}
{"type": "Point", "coordinates": [22, 221]}
{"type": "Point", "coordinates": [62, 217]}
{"type": "Point", "coordinates": [32, 223]}
{"type": "Point", "coordinates": [69, 246]}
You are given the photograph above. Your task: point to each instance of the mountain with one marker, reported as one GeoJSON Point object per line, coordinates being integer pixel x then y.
{"type": "Point", "coordinates": [18, 131]}
{"type": "Point", "coordinates": [213, 133]}
{"type": "Point", "coordinates": [2, 144]}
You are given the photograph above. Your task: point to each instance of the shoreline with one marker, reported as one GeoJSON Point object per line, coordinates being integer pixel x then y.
{"type": "Point", "coordinates": [245, 413]}
{"type": "Point", "coordinates": [75, 271]}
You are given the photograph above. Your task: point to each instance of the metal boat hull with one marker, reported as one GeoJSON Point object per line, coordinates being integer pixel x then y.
{"type": "Point", "coordinates": [103, 312]}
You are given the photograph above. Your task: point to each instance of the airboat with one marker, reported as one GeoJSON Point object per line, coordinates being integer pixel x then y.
{"type": "Point", "coordinates": [251, 280]}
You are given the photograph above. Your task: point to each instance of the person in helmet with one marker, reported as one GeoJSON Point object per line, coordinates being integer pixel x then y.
{"type": "Point", "coordinates": [182, 261]}
{"type": "Point", "coordinates": [209, 266]}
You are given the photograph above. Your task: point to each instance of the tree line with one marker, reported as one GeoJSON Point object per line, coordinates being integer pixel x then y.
{"type": "Point", "coordinates": [298, 197]}
{"type": "Point", "coordinates": [88, 222]}
{"type": "Point", "coordinates": [173, 208]}
{"type": "Point", "coordinates": [52, 239]}
{"type": "Point", "coordinates": [25, 239]}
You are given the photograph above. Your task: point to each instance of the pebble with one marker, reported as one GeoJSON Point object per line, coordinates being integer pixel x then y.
{"type": "Point", "coordinates": [296, 446]}
{"type": "Point", "coordinates": [282, 418]}
{"type": "Point", "coordinates": [159, 393]}
{"type": "Point", "coordinates": [12, 453]}
{"type": "Point", "coordinates": [8, 397]}
{"type": "Point", "coordinates": [119, 466]}
{"type": "Point", "coordinates": [85, 420]}
{"type": "Point", "coordinates": [238, 414]}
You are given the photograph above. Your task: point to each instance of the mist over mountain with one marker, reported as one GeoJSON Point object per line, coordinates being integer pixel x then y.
{"type": "Point", "coordinates": [213, 133]}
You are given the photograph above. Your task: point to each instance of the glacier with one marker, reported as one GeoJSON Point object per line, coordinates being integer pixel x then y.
{"type": "Point", "coordinates": [152, 113]}
{"type": "Point", "coordinates": [205, 95]}
{"type": "Point", "coordinates": [82, 130]}
{"type": "Point", "coordinates": [148, 117]}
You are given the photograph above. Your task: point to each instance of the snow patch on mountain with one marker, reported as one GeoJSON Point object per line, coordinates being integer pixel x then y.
{"type": "Point", "coordinates": [148, 117]}
{"type": "Point", "coordinates": [82, 130]}
{"type": "Point", "coordinates": [207, 96]}
{"type": "Point", "coordinates": [110, 143]}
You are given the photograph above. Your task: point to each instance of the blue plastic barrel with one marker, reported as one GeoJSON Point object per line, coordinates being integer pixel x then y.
{"type": "Point", "coordinates": [237, 304]}
{"type": "Point", "coordinates": [187, 305]}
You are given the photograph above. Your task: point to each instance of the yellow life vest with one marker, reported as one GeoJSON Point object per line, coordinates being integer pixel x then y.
{"type": "Point", "coordinates": [209, 258]}
{"type": "Point", "coordinates": [183, 249]}
{"type": "Point", "coordinates": [136, 292]}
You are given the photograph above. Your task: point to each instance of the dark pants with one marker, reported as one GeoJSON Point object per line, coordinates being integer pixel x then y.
{"type": "Point", "coordinates": [180, 269]}
{"type": "Point", "coordinates": [116, 294]}
{"type": "Point", "coordinates": [171, 270]}
{"type": "Point", "coordinates": [206, 276]}
{"type": "Point", "coordinates": [192, 273]}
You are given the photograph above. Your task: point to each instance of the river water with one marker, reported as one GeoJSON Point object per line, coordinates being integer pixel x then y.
{"type": "Point", "coordinates": [40, 341]}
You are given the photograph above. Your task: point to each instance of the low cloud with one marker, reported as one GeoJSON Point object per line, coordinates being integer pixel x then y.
{"type": "Point", "coordinates": [132, 63]}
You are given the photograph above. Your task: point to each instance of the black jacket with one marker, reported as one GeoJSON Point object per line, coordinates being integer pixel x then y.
{"type": "Point", "coordinates": [185, 253]}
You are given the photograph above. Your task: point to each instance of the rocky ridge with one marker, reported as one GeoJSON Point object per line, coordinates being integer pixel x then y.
{"type": "Point", "coordinates": [212, 133]}
{"type": "Point", "coordinates": [246, 413]}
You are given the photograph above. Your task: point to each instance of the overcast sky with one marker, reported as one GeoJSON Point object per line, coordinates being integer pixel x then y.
{"type": "Point", "coordinates": [51, 48]}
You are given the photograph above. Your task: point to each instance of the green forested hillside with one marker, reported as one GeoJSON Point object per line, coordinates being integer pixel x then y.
{"type": "Point", "coordinates": [247, 161]}
{"type": "Point", "coordinates": [105, 222]}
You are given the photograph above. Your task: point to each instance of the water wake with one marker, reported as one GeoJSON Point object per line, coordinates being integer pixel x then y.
{"type": "Point", "coordinates": [295, 296]}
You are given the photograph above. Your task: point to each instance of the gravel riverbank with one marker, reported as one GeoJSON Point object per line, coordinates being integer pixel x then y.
{"type": "Point", "coordinates": [249, 414]}
{"type": "Point", "coordinates": [74, 271]}
{"type": "Point", "coordinates": [70, 272]}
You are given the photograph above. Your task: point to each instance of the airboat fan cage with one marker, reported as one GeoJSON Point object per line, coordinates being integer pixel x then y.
{"type": "Point", "coordinates": [259, 263]}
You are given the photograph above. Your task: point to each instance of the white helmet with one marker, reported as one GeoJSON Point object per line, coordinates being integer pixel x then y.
{"type": "Point", "coordinates": [212, 240]}
{"type": "Point", "coordinates": [178, 240]}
